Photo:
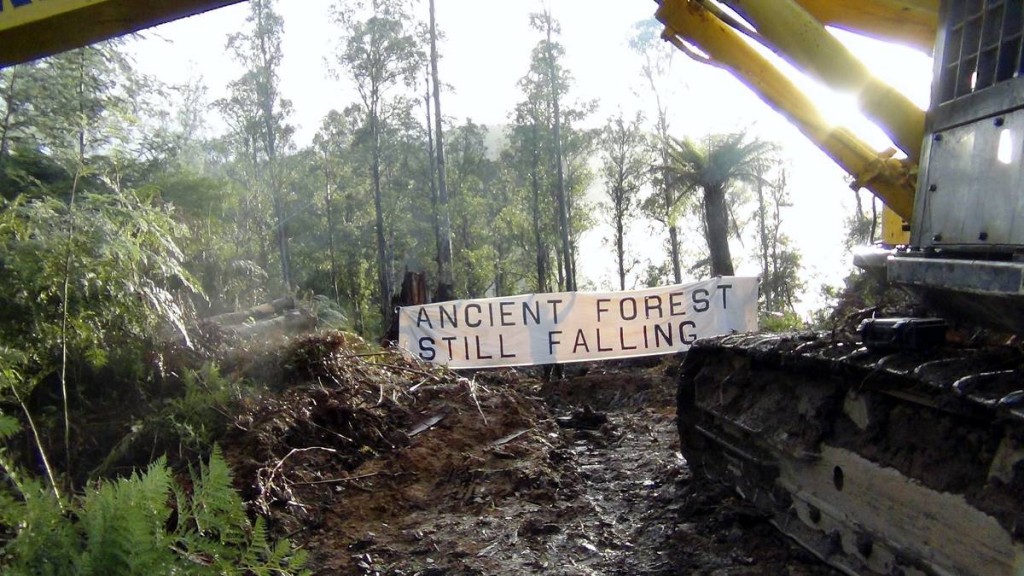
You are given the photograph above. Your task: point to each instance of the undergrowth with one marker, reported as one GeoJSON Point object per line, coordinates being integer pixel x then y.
{"type": "Point", "coordinates": [188, 424]}
{"type": "Point", "coordinates": [145, 524]}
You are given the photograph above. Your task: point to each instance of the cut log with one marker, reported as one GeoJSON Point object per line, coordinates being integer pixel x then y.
{"type": "Point", "coordinates": [261, 312]}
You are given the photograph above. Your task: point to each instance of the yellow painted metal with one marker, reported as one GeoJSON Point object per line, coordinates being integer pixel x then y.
{"type": "Point", "coordinates": [895, 231]}
{"type": "Point", "coordinates": [792, 33]}
{"type": "Point", "coordinates": [31, 29]}
{"type": "Point", "coordinates": [889, 179]}
{"type": "Point", "coordinates": [910, 22]}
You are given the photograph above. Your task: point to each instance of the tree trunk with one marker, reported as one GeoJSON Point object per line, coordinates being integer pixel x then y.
{"type": "Point", "coordinates": [538, 238]}
{"type": "Point", "coordinates": [446, 279]}
{"type": "Point", "coordinates": [432, 163]}
{"type": "Point", "coordinates": [332, 248]}
{"type": "Point", "coordinates": [383, 277]}
{"type": "Point", "coordinates": [767, 275]}
{"type": "Point", "coordinates": [673, 245]}
{"type": "Point", "coordinates": [5, 129]}
{"type": "Point", "coordinates": [717, 215]}
{"type": "Point", "coordinates": [563, 208]}
{"type": "Point", "coordinates": [282, 242]}
{"type": "Point", "coordinates": [267, 108]}
{"type": "Point", "coordinates": [620, 248]}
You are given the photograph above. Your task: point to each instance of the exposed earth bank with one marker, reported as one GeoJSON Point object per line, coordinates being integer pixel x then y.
{"type": "Point", "coordinates": [377, 465]}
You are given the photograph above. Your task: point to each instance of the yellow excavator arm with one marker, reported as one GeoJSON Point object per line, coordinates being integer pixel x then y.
{"type": "Point", "coordinates": [795, 30]}
{"type": "Point", "coordinates": [909, 22]}
{"type": "Point", "coordinates": [31, 29]}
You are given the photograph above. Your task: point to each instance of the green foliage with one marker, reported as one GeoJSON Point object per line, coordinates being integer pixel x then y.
{"type": "Point", "coordinates": [121, 263]}
{"type": "Point", "coordinates": [199, 417]}
{"type": "Point", "coordinates": [142, 525]}
{"type": "Point", "coordinates": [780, 321]}
{"type": "Point", "coordinates": [121, 525]}
{"type": "Point", "coordinates": [191, 422]}
{"type": "Point", "coordinates": [713, 165]}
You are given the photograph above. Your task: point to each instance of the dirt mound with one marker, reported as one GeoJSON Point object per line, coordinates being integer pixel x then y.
{"type": "Point", "coordinates": [381, 465]}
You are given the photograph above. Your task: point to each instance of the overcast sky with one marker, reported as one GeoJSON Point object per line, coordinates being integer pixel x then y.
{"type": "Point", "coordinates": [486, 50]}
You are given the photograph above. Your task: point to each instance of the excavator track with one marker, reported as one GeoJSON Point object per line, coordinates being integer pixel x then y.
{"type": "Point", "coordinates": [877, 462]}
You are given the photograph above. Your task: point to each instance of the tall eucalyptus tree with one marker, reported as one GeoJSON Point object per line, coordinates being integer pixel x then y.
{"type": "Point", "coordinates": [379, 52]}
{"type": "Point", "coordinates": [258, 115]}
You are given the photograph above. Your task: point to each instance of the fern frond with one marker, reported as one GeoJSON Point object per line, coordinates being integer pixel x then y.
{"type": "Point", "coordinates": [123, 524]}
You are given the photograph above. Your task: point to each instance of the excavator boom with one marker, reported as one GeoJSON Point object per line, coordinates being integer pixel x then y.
{"type": "Point", "coordinates": [31, 29]}
{"type": "Point", "coordinates": [909, 22]}
{"type": "Point", "coordinates": [697, 23]}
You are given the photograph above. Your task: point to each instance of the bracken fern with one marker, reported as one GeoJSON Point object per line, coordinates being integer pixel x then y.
{"type": "Point", "coordinates": [142, 525]}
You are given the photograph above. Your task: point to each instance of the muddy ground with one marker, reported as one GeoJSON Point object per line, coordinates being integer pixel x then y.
{"type": "Point", "coordinates": [378, 465]}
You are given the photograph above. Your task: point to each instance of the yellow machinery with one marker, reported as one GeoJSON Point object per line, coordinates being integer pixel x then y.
{"type": "Point", "coordinates": [31, 29]}
{"type": "Point", "coordinates": [901, 451]}
{"type": "Point", "coordinates": [791, 30]}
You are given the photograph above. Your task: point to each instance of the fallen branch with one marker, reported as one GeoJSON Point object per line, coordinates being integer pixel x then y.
{"type": "Point", "coordinates": [348, 478]}
{"type": "Point", "coordinates": [335, 480]}
{"type": "Point", "coordinates": [433, 377]}
{"type": "Point", "coordinates": [471, 384]}
{"type": "Point", "coordinates": [266, 481]}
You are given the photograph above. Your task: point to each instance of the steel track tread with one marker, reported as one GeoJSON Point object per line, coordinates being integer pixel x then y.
{"type": "Point", "coordinates": [879, 463]}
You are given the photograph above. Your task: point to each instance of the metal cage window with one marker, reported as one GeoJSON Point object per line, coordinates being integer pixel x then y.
{"type": "Point", "coordinates": [983, 46]}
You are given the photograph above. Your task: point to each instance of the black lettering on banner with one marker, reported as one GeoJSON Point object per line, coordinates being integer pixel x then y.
{"type": "Point", "coordinates": [622, 308]}
{"type": "Point", "coordinates": [453, 316]}
{"type": "Point", "coordinates": [506, 313]}
{"type": "Point", "coordinates": [581, 341]}
{"type": "Point", "coordinates": [662, 333]}
{"type": "Point", "coordinates": [465, 313]}
{"type": "Point", "coordinates": [480, 355]}
{"type": "Point", "coordinates": [622, 339]}
{"type": "Point", "coordinates": [421, 316]}
{"type": "Point", "coordinates": [724, 288]}
{"type": "Point", "coordinates": [554, 307]}
{"type": "Point", "coordinates": [599, 347]}
{"type": "Point", "coordinates": [449, 340]}
{"type": "Point", "coordinates": [501, 347]}
{"type": "Point", "coordinates": [552, 341]}
{"type": "Point", "coordinates": [684, 336]}
{"type": "Point", "coordinates": [427, 351]}
{"type": "Point", "coordinates": [675, 306]}
{"type": "Point", "coordinates": [531, 313]}
{"type": "Point", "coordinates": [601, 309]}
{"type": "Point", "coordinates": [701, 303]}
{"type": "Point", "coordinates": [465, 343]}
{"type": "Point", "coordinates": [648, 307]}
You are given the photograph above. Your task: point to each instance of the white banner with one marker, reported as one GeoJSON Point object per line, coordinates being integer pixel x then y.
{"type": "Point", "coordinates": [577, 326]}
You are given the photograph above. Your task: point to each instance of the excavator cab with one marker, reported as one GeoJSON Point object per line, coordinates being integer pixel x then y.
{"type": "Point", "coordinates": [966, 255]}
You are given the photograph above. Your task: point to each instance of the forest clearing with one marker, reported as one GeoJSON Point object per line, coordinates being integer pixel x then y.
{"type": "Point", "coordinates": [193, 377]}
